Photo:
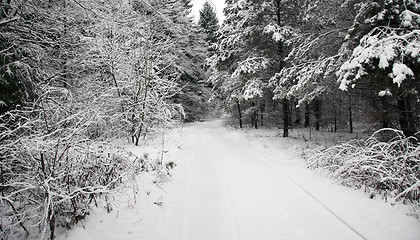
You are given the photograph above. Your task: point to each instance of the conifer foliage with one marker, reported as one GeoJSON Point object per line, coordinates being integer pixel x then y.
{"type": "Point", "coordinates": [209, 22]}
{"type": "Point", "coordinates": [281, 60]}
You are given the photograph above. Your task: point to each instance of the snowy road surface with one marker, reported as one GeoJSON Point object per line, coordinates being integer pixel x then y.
{"type": "Point", "coordinates": [228, 187]}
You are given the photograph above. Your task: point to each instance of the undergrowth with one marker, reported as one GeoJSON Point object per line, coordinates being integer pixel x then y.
{"type": "Point", "coordinates": [51, 176]}
{"type": "Point", "coordinates": [387, 164]}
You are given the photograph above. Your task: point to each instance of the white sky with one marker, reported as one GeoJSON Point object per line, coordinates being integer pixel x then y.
{"type": "Point", "coordinates": [198, 4]}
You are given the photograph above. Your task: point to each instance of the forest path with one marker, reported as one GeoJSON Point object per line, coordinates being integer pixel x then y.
{"type": "Point", "coordinates": [232, 189]}
{"type": "Point", "coordinates": [231, 185]}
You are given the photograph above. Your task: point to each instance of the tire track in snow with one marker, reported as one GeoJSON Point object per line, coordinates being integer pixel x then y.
{"type": "Point", "coordinates": [204, 219]}
{"type": "Point", "coordinates": [238, 233]}
{"type": "Point", "coordinates": [269, 191]}
{"type": "Point", "coordinates": [313, 197]}
{"type": "Point", "coordinates": [190, 155]}
{"type": "Point", "coordinates": [264, 190]}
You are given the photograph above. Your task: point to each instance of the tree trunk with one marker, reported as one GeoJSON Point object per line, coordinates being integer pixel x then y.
{"type": "Point", "coordinates": [335, 121]}
{"type": "Point", "coordinates": [350, 115]}
{"type": "Point", "coordinates": [386, 123]}
{"type": "Point", "coordinates": [317, 110]}
{"type": "Point", "coordinates": [51, 216]}
{"type": "Point", "coordinates": [298, 119]}
{"type": "Point", "coordinates": [307, 115]}
{"type": "Point", "coordinates": [255, 116]}
{"type": "Point", "coordinates": [340, 105]}
{"type": "Point", "coordinates": [148, 62]}
{"type": "Point", "coordinates": [406, 114]}
{"type": "Point", "coordinates": [239, 113]}
{"type": "Point", "coordinates": [286, 117]}
{"type": "Point", "coordinates": [335, 117]}
{"type": "Point", "coordinates": [262, 113]}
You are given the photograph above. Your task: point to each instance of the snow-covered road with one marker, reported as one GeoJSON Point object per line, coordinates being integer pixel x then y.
{"type": "Point", "coordinates": [234, 192]}
{"type": "Point", "coordinates": [230, 187]}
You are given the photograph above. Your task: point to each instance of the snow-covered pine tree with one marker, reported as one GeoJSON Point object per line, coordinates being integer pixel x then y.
{"type": "Point", "coordinates": [309, 72]}
{"type": "Point", "coordinates": [208, 22]}
{"type": "Point", "coordinates": [384, 60]}
{"type": "Point", "coordinates": [253, 46]}
{"type": "Point", "coordinates": [187, 53]}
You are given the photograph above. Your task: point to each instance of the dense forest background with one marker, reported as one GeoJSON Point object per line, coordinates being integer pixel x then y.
{"type": "Point", "coordinates": [77, 74]}
{"type": "Point", "coordinates": [330, 65]}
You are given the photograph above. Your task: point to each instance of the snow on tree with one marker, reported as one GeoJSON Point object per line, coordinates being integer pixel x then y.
{"type": "Point", "coordinates": [311, 62]}
{"type": "Point", "coordinates": [386, 56]}
{"type": "Point", "coordinates": [209, 22]}
{"type": "Point", "coordinates": [392, 50]}
{"type": "Point", "coordinates": [187, 55]}
{"type": "Point", "coordinates": [253, 41]}
{"type": "Point", "coordinates": [52, 169]}
{"type": "Point", "coordinates": [88, 72]}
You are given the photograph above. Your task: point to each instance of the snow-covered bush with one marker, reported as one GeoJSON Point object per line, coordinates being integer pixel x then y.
{"type": "Point", "coordinates": [50, 169]}
{"type": "Point", "coordinates": [387, 163]}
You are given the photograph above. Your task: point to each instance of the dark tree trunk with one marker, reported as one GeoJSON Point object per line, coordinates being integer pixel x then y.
{"type": "Point", "coordinates": [298, 119]}
{"type": "Point", "coordinates": [254, 116]}
{"type": "Point", "coordinates": [317, 110]}
{"type": "Point", "coordinates": [307, 115]}
{"type": "Point", "coordinates": [335, 117]}
{"type": "Point", "coordinates": [51, 219]}
{"type": "Point", "coordinates": [262, 113]}
{"type": "Point", "coordinates": [406, 114]}
{"type": "Point", "coordinates": [340, 105]}
{"type": "Point", "coordinates": [335, 122]}
{"type": "Point", "coordinates": [286, 117]}
{"type": "Point", "coordinates": [239, 113]}
{"type": "Point", "coordinates": [386, 123]}
{"type": "Point", "coordinates": [350, 115]}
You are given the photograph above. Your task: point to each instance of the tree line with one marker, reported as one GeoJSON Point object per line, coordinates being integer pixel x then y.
{"type": "Point", "coordinates": [332, 65]}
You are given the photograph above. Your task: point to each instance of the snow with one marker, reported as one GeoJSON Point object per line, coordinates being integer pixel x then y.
{"type": "Point", "coordinates": [231, 184]}
{"type": "Point", "coordinates": [410, 19]}
{"type": "Point", "coordinates": [386, 92]}
{"type": "Point", "coordinates": [253, 89]}
{"type": "Point", "coordinates": [280, 33]}
{"type": "Point", "coordinates": [400, 72]}
{"type": "Point", "coordinates": [386, 45]}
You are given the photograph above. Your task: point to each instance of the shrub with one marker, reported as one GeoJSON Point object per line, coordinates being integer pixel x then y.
{"type": "Point", "coordinates": [387, 163]}
{"type": "Point", "coordinates": [51, 172]}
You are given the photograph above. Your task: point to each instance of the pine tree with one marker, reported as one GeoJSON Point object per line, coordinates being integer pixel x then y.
{"type": "Point", "coordinates": [209, 22]}
{"type": "Point", "coordinates": [253, 46]}
{"type": "Point", "coordinates": [188, 51]}
{"type": "Point", "coordinates": [383, 61]}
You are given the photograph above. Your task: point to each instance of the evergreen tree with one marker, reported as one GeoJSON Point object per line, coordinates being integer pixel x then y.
{"type": "Point", "coordinates": [383, 57]}
{"type": "Point", "coordinates": [188, 53]}
{"type": "Point", "coordinates": [253, 47]}
{"type": "Point", "coordinates": [209, 22]}
{"type": "Point", "coordinates": [309, 72]}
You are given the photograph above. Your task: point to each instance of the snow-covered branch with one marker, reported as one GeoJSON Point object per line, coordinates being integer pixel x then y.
{"type": "Point", "coordinates": [394, 49]}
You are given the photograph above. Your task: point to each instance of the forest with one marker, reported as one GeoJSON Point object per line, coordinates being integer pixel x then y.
{"type": "Point", "coordinates": [78, 75]}
{"type": "Point", "coordinates": [332, 65]}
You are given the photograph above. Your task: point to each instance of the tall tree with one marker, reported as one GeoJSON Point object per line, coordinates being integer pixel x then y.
{"type": "Point", "coordinates": [190, 49]}
{"type": "Point", "coordinates": [252, 49]}
{"type": "Point", "coordinates": [209, 22]}
{"type": "Point", "coordinates": [385, 37]}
